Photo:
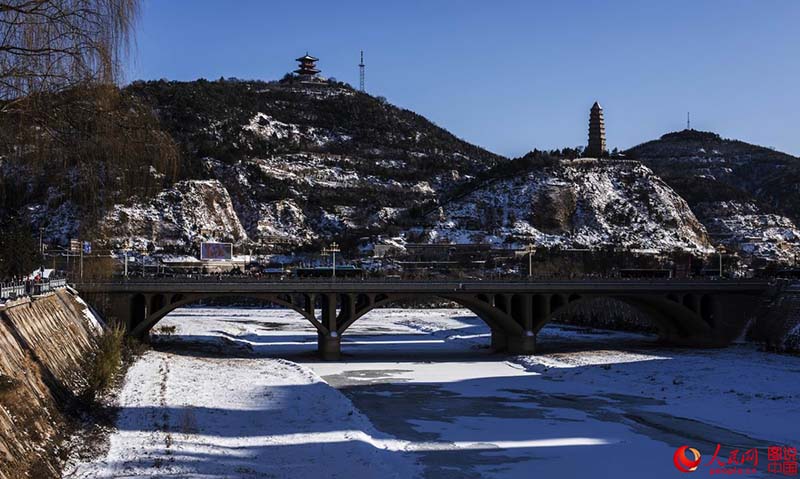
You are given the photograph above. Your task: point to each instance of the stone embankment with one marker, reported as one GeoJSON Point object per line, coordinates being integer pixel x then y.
{"type": "Point", "coordinates": [43, 343]}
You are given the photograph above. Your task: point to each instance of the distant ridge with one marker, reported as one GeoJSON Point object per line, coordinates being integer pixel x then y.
{"type": "Point", "coordinates": [747, 196]}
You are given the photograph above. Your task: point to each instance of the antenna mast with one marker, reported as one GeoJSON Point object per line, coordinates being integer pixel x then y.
{"type": "Point", "coordinates": [688, 121]}
{"type": "Point", "coordinates": [361, 72]}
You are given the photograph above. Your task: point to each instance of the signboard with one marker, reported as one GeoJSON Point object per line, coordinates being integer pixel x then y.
{"type": "Point", "coordinates": [75, 246]}
{"type": "Point", "coordinates": [87, 247]}
{"type": "Point", "coordinates": [216, 251]}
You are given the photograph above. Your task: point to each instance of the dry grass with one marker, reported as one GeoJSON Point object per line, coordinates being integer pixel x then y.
{"type": "Point", "coordinates": [166, 330]}
{"type": "Point", "coordinates": [102, 367]}
{"type": "Point", "coordinates": [7, 386]}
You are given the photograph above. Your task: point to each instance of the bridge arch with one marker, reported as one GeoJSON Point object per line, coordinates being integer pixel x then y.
{"type": "Point", "coordinates": [688, 312]}
{"type": "Point", "coordinates": [514, 319]}
{"type": "Point", "coordinates": [156, 302]}
{"type": "Point", "coordinates": [138, 307]}
{"type": "Point", "coordinates": [675, 321]}
{"type": "Point", "coordinates": [142, 321]}
{"type": "Point", "coordinates": [481, 305]}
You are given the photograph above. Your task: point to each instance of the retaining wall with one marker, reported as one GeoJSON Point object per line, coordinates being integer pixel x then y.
{"type": "Point", "coordinates": [43, 341]}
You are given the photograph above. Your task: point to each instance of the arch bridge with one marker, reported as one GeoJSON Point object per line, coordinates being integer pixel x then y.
{"type": "Point", "coordinates": [699, 313]}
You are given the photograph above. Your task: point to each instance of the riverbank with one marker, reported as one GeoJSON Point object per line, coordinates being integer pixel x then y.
{"type": "Point", "coordinates": [44, 343]}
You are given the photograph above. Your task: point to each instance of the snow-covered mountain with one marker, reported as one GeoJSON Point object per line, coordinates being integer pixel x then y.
{"type": "Point", "coordinates": [303, 164]}
{"type": "Point", "coordinates": [747, 196]}
{"type": "Point", "coordinates": [298, 165]}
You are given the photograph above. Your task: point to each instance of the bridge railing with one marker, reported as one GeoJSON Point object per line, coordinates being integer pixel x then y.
{"type": "Point", "coordinates": [11, 290]}
{"type": "Point", "coordinates": [199, 279]}
{"type": "Point", "coordinates": [16, 289]}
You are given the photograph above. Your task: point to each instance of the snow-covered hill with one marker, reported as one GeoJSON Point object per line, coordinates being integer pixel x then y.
{"type": "Point", "coordinates": [306, 164]}
{"type": "Point", "coordinates": [303, 163]}
{"type": "Point", "coordinates": [575, 203]}
{"type": "Point", "coordinates": [746, 195]}
{"type": "Point", "coordinates": [299, 165]}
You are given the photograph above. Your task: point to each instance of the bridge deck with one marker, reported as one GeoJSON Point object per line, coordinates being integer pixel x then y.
{"type": "Point", "coordinates": [417, 287]}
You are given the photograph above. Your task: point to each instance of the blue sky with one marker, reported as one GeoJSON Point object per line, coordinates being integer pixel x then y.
{"type": "Point", "coordinates": [512, 75]}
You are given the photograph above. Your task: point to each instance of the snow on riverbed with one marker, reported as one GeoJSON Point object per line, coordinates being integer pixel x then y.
{"type": "Point", "coordinates": [418, 394]}
{"type": "Point", "coordinates": [193, 417]}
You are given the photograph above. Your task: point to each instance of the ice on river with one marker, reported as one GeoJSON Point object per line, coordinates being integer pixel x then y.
{"type": "Point", "coordinates": [238, 392]}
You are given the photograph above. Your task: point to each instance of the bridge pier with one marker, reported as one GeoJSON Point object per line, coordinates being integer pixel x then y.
{"type": "Point", "coordinates": [513, 344]}
{"type": "Point", "coordinates": [499, 340]}
{"type": "Point", "coordinates": [525, 344]}
{"type": "Point", "coordinates": [329, 346]}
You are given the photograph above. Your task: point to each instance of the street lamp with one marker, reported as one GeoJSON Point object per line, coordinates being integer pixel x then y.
{"type": "Point", "coordinates": [332, 250]}
{"type": "Point", "coordinates": [126, 247]}
{"type": "Point", "coordinates": [531, 250]}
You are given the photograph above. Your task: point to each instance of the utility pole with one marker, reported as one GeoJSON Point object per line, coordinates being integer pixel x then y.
{"type": "Point", "coordinates": [688, 121]}
{"type": "Point", "coordinates": [81, 261]}
{"type": "Point", "coordinates": [126, 264]}
{"type": "Point", "coordinates": [719, 252]}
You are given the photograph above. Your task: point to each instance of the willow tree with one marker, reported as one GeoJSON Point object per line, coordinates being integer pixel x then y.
{"type": "Point", "coordinates": [52, 45]}
{"type": "Point", "coordinates": [62, 116]}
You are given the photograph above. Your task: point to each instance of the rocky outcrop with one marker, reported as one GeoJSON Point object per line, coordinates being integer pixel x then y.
{"type": "Point", "coordinates": [42, 345]}
{"type": "Point", "coordinates": [584, 203]}
{"type": "Point", "coordinates": [185, 214]}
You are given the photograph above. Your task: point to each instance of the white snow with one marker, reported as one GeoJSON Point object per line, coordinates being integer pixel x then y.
{"type": "Point", "coordinates": [92, 319]}
{"type": "Point", "coordinates": [200, 418]}
{"type": "Point", "coordinates": [266, 127]}
{"type": "Point", "coordinates": [429, 400]}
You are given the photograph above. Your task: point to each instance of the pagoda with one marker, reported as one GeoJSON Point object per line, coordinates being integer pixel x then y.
{"type": "Point", "coordinates": [308, 67]}
{"type": "Point", "coordinates": [597, 132]}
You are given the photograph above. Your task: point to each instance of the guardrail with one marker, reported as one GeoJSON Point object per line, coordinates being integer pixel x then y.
{"type": "Point", "coordinates": [214, 279]}
{"type": "Point", "coordinates": [29, 288]}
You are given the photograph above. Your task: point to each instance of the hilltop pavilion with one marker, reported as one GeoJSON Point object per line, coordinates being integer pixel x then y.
{"type": "Point", "coordinates": [308, 67]}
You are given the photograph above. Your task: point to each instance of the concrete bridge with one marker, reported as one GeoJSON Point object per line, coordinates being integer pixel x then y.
{"type": "Point", "coordinates": [702, 313]}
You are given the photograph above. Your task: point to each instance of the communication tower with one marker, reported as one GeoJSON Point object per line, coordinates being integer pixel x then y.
{"type": "Point", "coordinates": [361, 72]}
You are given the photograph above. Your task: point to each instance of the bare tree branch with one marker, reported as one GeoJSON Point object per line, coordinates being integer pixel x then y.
{"type": "Point", "coordinates": [60, 42]}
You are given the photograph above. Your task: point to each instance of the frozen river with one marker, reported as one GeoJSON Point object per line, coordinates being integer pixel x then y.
{"type": "Point", "coordinates": [237, 392]}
